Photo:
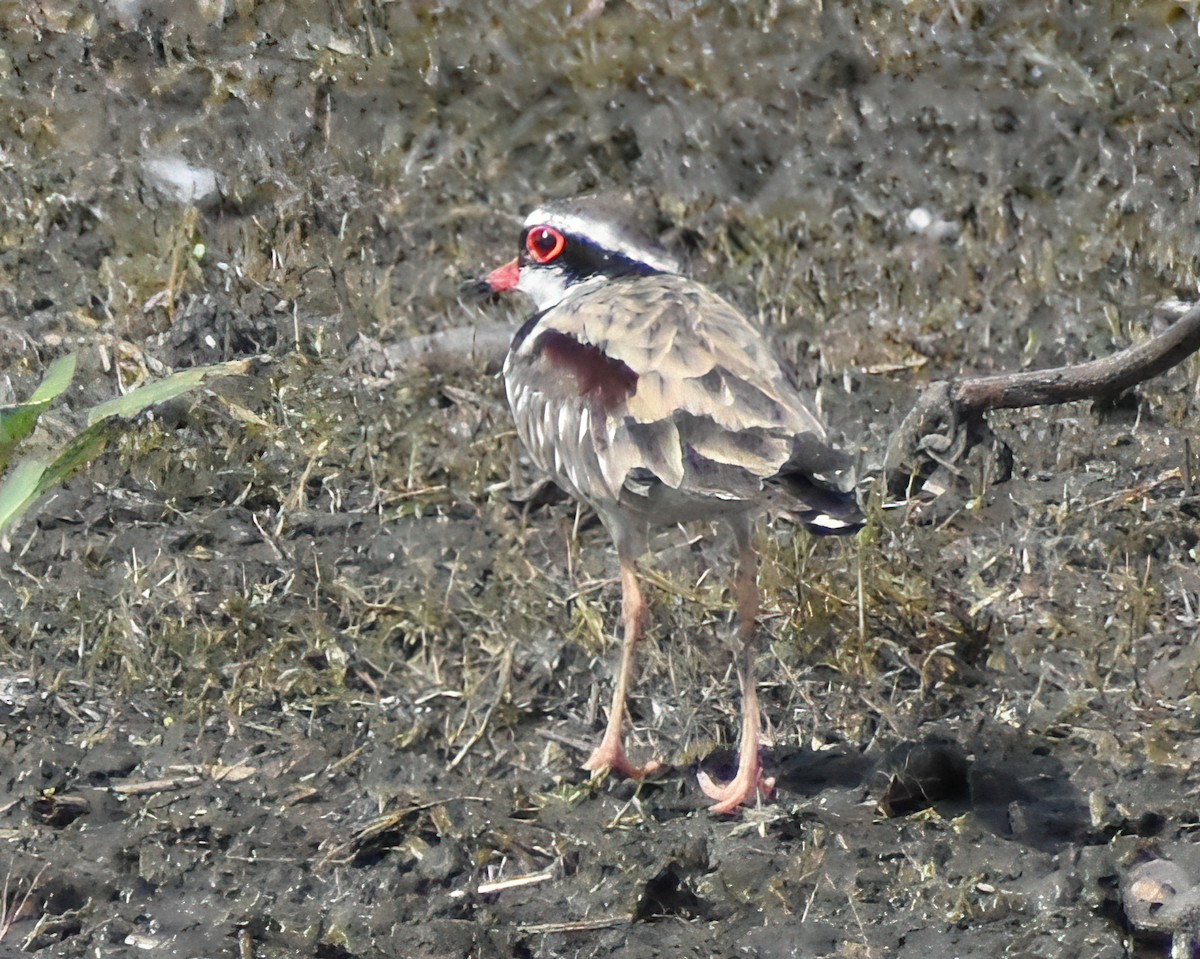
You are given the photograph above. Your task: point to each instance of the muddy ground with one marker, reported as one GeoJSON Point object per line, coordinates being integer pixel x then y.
{"type": "Point", "coordinates": [293, 670]}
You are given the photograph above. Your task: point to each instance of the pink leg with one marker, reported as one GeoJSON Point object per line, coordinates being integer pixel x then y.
{"type": "Point", "coordinates": [748, 781]}
{"type": "Point", "coordinates": [610, 754]}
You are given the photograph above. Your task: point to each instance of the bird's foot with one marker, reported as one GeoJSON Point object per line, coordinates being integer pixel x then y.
{"type": "Point", "coordinates": [745, 787]}
{"type": "Point", "coordinates": [611, 757]}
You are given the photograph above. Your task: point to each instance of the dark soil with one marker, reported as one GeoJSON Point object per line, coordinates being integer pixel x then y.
{"type": "Point", "coordinates": [292, 670]}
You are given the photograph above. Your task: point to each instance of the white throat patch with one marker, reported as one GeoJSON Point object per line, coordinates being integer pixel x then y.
{"type": "Point", "coordinates": [545, 285]}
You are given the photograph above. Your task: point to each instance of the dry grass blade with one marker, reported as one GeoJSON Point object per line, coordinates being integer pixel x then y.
{"type": "Point", "coordinates": [16, 911]}
{"type": "Point", "coordinates": [579, 925]}
{"type": "Point", "coordinates": [506, 662]}
{"type": "Point", "coordinates": [516, 882]}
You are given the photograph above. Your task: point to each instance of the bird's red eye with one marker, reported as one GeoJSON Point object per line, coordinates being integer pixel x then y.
{"type": "Point", "coordinates": [544, 243]}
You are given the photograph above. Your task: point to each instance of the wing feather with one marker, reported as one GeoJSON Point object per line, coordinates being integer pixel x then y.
{"type": "Point", "coordinates": [708, 389]}
{"type": "Point", "coordinates": [682, 396]}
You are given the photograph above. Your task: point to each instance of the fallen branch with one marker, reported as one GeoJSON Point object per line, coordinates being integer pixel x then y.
{"type": "Point", "coordinates": [947, 419]}
{"type": "Point", "coordinates": [462, 348]}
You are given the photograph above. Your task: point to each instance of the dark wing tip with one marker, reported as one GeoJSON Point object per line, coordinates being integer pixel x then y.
{"type": "Point", "coordinates": [820, 480]}
{"type": "Point", "coordinates": [847, 520]}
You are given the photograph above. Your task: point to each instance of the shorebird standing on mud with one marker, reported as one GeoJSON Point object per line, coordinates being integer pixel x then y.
{"type": "Point", "coordinates": [648, 397]}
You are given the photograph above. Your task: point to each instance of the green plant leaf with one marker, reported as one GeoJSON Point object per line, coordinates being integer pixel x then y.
{"type": "Point", "coordinates": [58, 377]}
{"type": "Point", "coordinates": [32, 476]}
{"type": "Point", "coordinates": [18, 421]}
{"type": "Point", "coordinates": [76, 454]}
{"type": "Point", "coordinates": [20, 488]}
{"type": "Point", "coordinates": [135, 401]}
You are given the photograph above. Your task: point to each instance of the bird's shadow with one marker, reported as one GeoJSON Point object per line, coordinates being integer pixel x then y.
{"type": "Point", "coordinates": [1008, 780]}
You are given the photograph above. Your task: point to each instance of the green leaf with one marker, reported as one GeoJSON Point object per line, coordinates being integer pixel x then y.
{"type": "Point", "coordinates": [133, 402]}
{"type": "Point", "coordinates": [34, 475]}
{"type": "Point", "coordinates": [58, 377]}
{"type": "Point", "coordinates": [76, 454]}
{"type": "Point", "coordinates": [18, 421]}
{"type": "Point", "coordinates": [20, 488]}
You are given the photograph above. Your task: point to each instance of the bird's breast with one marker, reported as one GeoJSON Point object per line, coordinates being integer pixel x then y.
{"type": "Point", "coordinates": [558, 432]}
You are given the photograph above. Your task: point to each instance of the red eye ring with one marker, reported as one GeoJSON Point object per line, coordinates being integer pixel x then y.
{"type": "Point", "coordinates": [544, 243]}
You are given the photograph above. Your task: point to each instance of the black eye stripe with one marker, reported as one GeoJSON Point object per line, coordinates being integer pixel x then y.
{"type": "Point", "coordinates": [583, 259]}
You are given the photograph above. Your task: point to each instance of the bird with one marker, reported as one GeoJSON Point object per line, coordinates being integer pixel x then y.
{"type": "Point", "coordinates": [653, 400]}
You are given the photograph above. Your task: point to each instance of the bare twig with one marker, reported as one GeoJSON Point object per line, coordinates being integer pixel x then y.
{"type": "Point", "coordinates": [465, 347]}
{"type": "Point", "coordinates": [516, 882]}
{"type": "Point", "coordinates": [948, 417]}
{"type": "Point", "coordinates": [579, 925]}
{"type": "Point", "coordinates": [155, 786]}
{"type": "Point", "coordinates": [191, 776]}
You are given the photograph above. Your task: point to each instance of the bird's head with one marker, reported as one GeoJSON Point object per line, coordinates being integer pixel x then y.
{"type": "Point", "coordinates": [567, 243]}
